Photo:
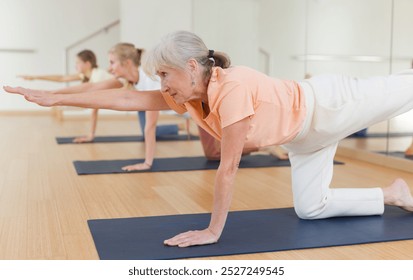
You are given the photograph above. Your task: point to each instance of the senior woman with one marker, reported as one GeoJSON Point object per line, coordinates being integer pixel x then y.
{"type": "Point", "coordinates": [246, 109]}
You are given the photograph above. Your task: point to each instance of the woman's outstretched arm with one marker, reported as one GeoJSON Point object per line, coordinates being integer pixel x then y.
{"type": "Point", "coordinates": [113, 99]}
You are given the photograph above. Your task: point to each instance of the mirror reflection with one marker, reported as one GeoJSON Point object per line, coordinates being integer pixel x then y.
{"type": "Point", "coordinates": [351, 37]}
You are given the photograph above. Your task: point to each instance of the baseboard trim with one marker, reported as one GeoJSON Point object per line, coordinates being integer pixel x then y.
{"type": "Point", "coordinates": [376, 158]}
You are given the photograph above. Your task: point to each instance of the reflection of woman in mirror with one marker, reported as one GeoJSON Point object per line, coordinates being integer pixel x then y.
{"type": "Point", "coordinates": [409, 150]}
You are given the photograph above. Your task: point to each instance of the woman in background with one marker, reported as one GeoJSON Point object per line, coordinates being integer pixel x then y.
{"type": "Point", "coordinates": [124, 67]}
{"type": "Point", "coordinates": [125, 62]}
{"type": "Point", "coordinates": [87, 72]}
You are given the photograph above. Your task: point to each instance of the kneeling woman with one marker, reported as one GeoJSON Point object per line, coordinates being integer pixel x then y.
{"type": "Point", "coordinates": [247, 109]}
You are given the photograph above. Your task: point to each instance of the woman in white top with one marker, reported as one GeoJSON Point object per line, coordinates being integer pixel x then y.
{"type": "Point", "coordinates": [124, 65]}
{"type": "Point", "coordinates": [87, 72]}
{"type": "Point", "coordinates": [125, 61]}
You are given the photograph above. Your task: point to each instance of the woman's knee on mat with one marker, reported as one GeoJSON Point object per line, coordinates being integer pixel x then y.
{"type": "Point", "coordinates": [310, 210]}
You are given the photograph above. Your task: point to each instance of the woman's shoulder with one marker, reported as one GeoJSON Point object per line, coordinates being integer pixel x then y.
{"type": "Point", "coordinates": [235, 73]}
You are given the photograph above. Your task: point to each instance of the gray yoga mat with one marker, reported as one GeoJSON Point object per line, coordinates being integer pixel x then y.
{"type": "Point", "coordinates": [246, 232]}
{"type": "Point", "coordinates": [174, 164]}
{"type": "Point", "coordinates": [127, 138]}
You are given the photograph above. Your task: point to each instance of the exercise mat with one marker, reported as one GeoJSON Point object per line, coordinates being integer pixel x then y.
{"type": "Point", "coordinates": [398, 154]}
{"type": "Point", "coordinates": [246, 232]}
{"type": "Point", "coordinates": [382, 135]}
{"type": "Point", "coordinates": [127, 138]}
{"type": "Point", "coordinates": [173, 164]}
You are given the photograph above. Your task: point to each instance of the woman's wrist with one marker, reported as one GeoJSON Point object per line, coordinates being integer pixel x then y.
{"type": "Point", "coordinates": [215, 233]}
{"type": "Point", "coordinates": [147, 164]}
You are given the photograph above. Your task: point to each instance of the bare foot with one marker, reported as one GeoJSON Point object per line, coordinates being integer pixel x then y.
{"type": "Point", "coordinates": [398, 194]}
{"type": "Point", "coordinates": [139, 166]}
{"type": "Point", "coordinates": [84, 139]}
{"type": "Point", "coordinates": [409, 151]}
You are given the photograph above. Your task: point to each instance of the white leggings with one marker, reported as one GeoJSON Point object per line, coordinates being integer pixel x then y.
{"type": "Point", "coordinates": [338, 106]}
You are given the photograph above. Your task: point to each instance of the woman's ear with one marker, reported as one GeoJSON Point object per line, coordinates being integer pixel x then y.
{"type": "Point", "coordinates": [128, 62]}
{"type": "Point", "coordinates": [192, 65]}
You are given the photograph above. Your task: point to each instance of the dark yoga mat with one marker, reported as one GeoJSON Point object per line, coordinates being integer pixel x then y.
{"type": "Point", "coordinates": [245, 232]}
{"type": "Point", "coordinates": [397, 154]}
{"type": "Point", "coordinates": [127, 138]}
{"type": "Point", "coordinates": [173, 164]}
{"type": "Point", "coordinates": [382, 135]}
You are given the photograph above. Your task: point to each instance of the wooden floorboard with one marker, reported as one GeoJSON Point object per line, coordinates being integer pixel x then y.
{"type": "Point", "coordinates": [44, 205]}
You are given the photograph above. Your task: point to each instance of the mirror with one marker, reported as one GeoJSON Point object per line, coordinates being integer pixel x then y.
{"type": "Point", "coordinates": [350, 37]}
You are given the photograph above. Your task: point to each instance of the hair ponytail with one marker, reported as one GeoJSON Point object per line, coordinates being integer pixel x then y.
{"type": "Point", "coordinates": [177, 48]}
{"type": "Point", "coordinates": [139, 53]}
{"type": "Point", "coordinates": [125, 51]}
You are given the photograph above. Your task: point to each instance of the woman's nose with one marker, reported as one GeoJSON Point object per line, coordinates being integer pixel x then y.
{"type": "Point", "coordinates": [164, 87]}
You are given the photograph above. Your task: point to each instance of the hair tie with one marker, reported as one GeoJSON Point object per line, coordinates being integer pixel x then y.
{"type": "Point", "coordinates": [211, 57]}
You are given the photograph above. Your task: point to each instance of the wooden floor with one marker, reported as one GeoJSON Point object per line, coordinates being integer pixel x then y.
{"type": "Point", "coordinates": [44, 205]}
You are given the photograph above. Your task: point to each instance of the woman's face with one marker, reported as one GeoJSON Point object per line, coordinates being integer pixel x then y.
{"type": "Point", "coordinates": [115, 66]}
{"type": "Point", "coordinates": [82, 66]}
{"type": "Point", "coordinates": [177, 83]}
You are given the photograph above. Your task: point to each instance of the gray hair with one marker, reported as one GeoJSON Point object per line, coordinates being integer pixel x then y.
{"type": "Point", "coordinates": [177, 48]}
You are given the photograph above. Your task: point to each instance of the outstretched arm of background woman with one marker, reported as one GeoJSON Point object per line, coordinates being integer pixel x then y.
{"type": "Point", "coordinates": [113, 99]}
{"type": "Point", "coordinates": [52, 78]}
{"type": "Point", "coordinates": [150, 143]}
{"type": "Point", "coordinates": [232, 143]}
{"type": "Point", "coordinates": [91, 136]}
{"type": "Point", "coordinates": [106, 84]}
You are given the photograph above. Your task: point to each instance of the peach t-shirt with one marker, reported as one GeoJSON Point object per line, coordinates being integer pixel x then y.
{"type": "Point", "coordinates": [276, 107]}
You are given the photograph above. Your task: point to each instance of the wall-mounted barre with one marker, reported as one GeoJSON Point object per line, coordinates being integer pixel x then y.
{"type": "Point", "coordinates": [15, 50]}
{"type": "Point", "coordinates": [104, 29]}
{"type": "Point", "coordinates": [267, 58]}
{"type": "Point", "coordinates": [351, 58]}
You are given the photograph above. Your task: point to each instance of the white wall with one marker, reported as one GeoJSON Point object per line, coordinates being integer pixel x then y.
{"type": "Point", "coordinates": [402, 35]}
{"type": "Point", "coordinates": [230, 26]}
{"type": "Point", "coordinates": [48, 27]}
{"type": "Point", "coordinates": [347, 28]}
{"type": "Point", "coordinates": [145, 22]}
{"type": "Point", "coordinates": [287, 30]}
{"type": "Point", "coordinates": [282, 35]}
{"type": "Point", "coordinates": [336, 31]}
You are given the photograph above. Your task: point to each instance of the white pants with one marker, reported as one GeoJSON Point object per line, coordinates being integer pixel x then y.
{"type": "Point", "coordinates": [338, 106]}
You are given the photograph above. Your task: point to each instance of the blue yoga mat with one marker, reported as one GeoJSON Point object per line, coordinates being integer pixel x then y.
{"type": "Point", "coordinates": [127, 138]}
{"type": "Point", "coordinates": [246, 232]}
{"type": "Point", "coordinates": [174, 164]}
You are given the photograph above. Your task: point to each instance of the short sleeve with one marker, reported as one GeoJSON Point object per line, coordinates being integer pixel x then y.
{"type": "Point", "coordinates": [236, 104]}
